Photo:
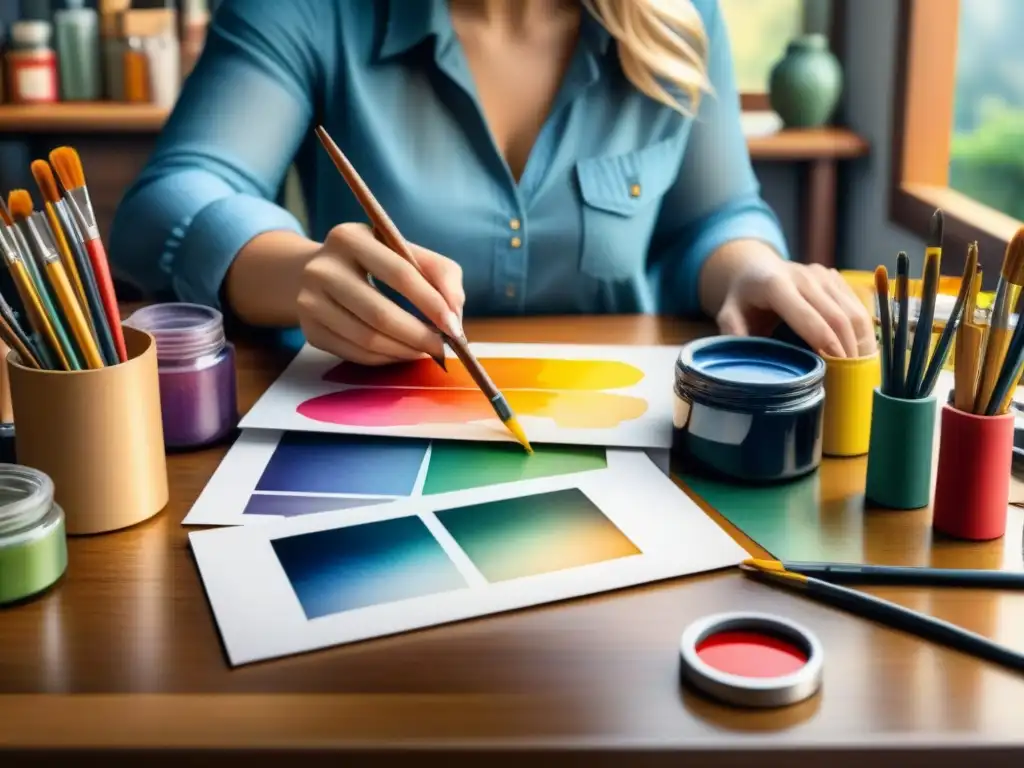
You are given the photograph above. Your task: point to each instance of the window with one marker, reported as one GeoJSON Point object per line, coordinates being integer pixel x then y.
{"type": "Point", "coordinates": [758, 32]}
{"type": "Point", "coordinates": [959, 124]}
{"type": "Point", "coordinates": [986, 160]}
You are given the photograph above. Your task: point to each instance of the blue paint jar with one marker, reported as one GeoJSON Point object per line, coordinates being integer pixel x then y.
{"type": "Point", "coordinates": [748, 409]}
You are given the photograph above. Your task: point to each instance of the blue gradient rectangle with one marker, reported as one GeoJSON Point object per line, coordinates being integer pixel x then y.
{"type": "Point", "coordinates": [362, 565]}
{"type": "Point", "coordinates": [311, 462]}
{"type": "Point", "coordinates": [296, 506]}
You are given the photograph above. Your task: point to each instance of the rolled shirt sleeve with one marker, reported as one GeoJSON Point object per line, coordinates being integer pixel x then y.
{"type": "Point", "coordinates": [716, 197]}
{"type": "Point", "coordinates": [209, 187]}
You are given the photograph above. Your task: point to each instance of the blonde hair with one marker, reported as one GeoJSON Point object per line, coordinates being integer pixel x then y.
{"type": "Point", "coordinates": [660, 42]}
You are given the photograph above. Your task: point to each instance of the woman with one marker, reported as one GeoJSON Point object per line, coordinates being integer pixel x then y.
{"type": "Point", "coordinates": [544, 156]}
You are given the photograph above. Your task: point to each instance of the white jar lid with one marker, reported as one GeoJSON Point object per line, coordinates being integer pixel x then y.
{"type": "Point", "coordinates": [31, 32]}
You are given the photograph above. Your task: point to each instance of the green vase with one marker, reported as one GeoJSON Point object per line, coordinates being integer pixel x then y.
{"type": "Point", "coordinates": [806, 83]}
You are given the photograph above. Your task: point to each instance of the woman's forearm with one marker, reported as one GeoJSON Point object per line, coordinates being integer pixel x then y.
{"type": "Point", "coordinates": [729, 260]}
{"type": "Point", "coordinates": [262, 284]}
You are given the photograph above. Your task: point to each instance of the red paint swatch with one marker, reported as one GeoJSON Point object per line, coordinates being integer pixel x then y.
{"type": "Point", "coordinates": [751, 654]}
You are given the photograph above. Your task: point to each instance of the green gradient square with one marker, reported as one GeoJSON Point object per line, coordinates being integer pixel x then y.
{"type": "Point", "coordinates": [457, 465]}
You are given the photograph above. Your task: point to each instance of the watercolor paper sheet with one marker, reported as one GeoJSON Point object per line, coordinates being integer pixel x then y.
{"type": "Point", "coordinates": [569, 394]}
{"type": "Point", "coordinates": [268, 475]}
{"type": "Point", "coordinates": [321, 580]}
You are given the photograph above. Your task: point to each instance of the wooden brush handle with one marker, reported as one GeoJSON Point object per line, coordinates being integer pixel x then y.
{"type": "Point", "coordinates": [965, 367]}
{"type": "Point", "coordinates": [995, 353]}
{"type": "Point", "coordinates": [105, 284]}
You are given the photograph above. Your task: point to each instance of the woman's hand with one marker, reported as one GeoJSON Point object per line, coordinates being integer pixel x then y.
{"type": "Point", "coordinates": [814, 301]}
{"type": "Point", "coordinates": [342, 313]}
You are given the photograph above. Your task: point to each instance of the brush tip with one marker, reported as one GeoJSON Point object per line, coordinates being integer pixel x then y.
{"type": "Point", "coordinates": [1013, 262]}
{"type": "Point", "coordinates": [936, 228]}
{"type": "Point", "coordinates": [20, 203]}
{"type": "Point", "coordinates": [45, 180]}
{"type": "Point", "coordinates": [517, 431]}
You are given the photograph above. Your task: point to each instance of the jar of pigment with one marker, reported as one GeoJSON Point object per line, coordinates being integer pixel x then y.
{"type": "Point", "coordinates": [196, 362]}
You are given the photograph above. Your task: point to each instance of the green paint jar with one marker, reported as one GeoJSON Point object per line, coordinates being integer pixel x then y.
{"type": "Point", "coordinates": [805, 85]}
{"type": "Point", "coordinates": [33, 545]}
{"type": "Point", "coordinates": [901, 451]}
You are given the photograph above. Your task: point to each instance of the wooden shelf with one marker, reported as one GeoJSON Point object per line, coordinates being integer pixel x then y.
{"type": "Point", "coordinates": [808, 144]}
{"type": "Point", "coordinates": [83, 117]}
{"type": "Point", "coordinates": [112, 117]}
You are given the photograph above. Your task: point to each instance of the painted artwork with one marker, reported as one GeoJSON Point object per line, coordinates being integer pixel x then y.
{"type": "Point", "coordinates": [267, 474]}
{"type": "Point", "coordinates": [564, 394]}
{"type": "Point", "coordinates": [302, 583]}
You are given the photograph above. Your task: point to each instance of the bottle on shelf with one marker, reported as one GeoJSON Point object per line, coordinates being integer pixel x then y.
{"type": "Point", "coordinates": [78, 52]}
{"type": "Point", "coordinates": [31, 63]}
{"type": "Point", "coordinates": [153, 33]}
{"type": "Point", "coordinates": [113, 47]}
{"type": "Point", "coordinates": [195, 18]}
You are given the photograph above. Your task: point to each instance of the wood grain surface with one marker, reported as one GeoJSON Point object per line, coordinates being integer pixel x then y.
{"type": "Point", "coordinates": [123, 656]}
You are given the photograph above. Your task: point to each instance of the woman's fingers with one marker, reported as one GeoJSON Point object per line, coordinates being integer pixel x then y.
{"type": "Point", "coordinates": [445, 275]}
{"type": "Point", "coordinates": [347, 326]}
{"type": "Point", "coordinates": [394, 271]}
{"type": "Point", "coordinates": [322, 337]}
{"type": "Point", "coordinates": [820, 296]}
{"type": "Point", "coordinates": [383, 316]}
{"type": "Point", "coordinates": [807, 321]}
{"type": "Point", "coordinates": [861, 319]}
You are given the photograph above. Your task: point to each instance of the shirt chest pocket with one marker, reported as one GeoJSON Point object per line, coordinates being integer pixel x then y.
{"type": "Point", "coordinates": [621, 196]}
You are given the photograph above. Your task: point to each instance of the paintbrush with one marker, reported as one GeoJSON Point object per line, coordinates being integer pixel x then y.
{"type": "Point", "coordinates": [37, 234]}
{"type": "Point", "coordinates": [970, 339]}
{"type": "Point", "coordinates": [1007, 291]}
{"type": "Point", "coordinates": [20, 203]}
{"type": "Point", "coordinates": [885, 321]}
{"type": "Point", "coordinates": [14, 341]}
{"type": "Point", "coordinates": [1009, 373]}
{"type": "Point", "coordinates": [890, 614]}
{"type": "Point", "coordinates": [388, 233]}
{"type": "Point", "coordinates": [926, 314]}
{"type": "Point", "coordinates": [37, 315]}
{"type": "Point", "coordinates": [10, 317]}
{"type": "Point", "coordinates": [938, 359]}
{"type": "Point", "coordinates": [47, 183]}
{"type": "Point", "coordinates": [899, 344]}
{"type": "Point", "coordinates": [96, 312]}
{"type": "Point", "coordinates": [68, 165]}
{"type": "Point", "coordinates": [855, 573]}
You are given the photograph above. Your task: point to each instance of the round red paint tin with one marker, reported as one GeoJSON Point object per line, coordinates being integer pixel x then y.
{"type": "Point", "coordinates": [751, 659]}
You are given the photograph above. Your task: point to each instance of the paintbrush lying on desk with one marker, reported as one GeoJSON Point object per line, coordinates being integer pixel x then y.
{"type": "Point", "coordinates": [887, 613]}
{"type": "Point", "coordinates": [392, 238]}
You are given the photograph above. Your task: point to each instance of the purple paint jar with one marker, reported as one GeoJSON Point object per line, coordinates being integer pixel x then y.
{"type": "Point", "coordinates": [198, 399]}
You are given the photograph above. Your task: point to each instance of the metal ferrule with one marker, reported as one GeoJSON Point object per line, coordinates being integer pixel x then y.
{"type": "Point", "coordinates": [501, 407]}
{"type": "Point", "coordinates": [81, 207]}
{"type": "Point", "coordinates": [38, 230]}
{"type": "Point", "coordinates": [8, 245]}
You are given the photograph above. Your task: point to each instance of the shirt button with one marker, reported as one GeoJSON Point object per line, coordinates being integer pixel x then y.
{"type": "Point", "coordinates": [514, 225]}
{"type": "Point", "coordinates": [515, 242]}
{"type": "Point", "coordinates": [510, 291]}
{"type": "Point", "coordinates": [634, 191]}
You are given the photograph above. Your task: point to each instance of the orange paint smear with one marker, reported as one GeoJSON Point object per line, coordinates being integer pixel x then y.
{"type": "Point", "coordinates": [506, 373]}
{"type": "Point", "coordinates": [406, 407]}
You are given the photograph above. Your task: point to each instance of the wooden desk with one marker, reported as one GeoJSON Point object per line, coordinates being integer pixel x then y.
{"type": "Point", "coordinates": [128, 652]}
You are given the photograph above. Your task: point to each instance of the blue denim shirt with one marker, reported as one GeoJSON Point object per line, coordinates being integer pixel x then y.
{"type": "Point", "coordinates": [621, 201]}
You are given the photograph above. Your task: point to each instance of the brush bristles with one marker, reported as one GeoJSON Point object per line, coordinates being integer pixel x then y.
{"type": "Point", "coordinates": [4, 213]}
{"type": "Point", "coordinates": [1013, 262]}
{"type": "Point", "coordinates": [68, 165]}
{"type": "Point", "coordinates": [936, 228]}
{"type": "Point", "coordinates": [882, 281]}
{"type": "Point", "coordinates": [20, 203]}
{"type": "Point", "coordinates": [45, 180]}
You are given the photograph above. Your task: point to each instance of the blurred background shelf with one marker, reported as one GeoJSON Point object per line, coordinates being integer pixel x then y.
{"type": "Point", "coordinates": [114, 118]}
{"type": "Point", "coordinates": [82, 117]}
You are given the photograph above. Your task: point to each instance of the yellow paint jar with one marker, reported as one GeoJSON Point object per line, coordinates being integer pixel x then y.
{"type": "Point", "coordinates": [849, 390]}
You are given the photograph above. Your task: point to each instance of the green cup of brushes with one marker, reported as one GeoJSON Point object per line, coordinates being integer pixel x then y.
{"type": "Point", "coordinates": [903, 415]}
